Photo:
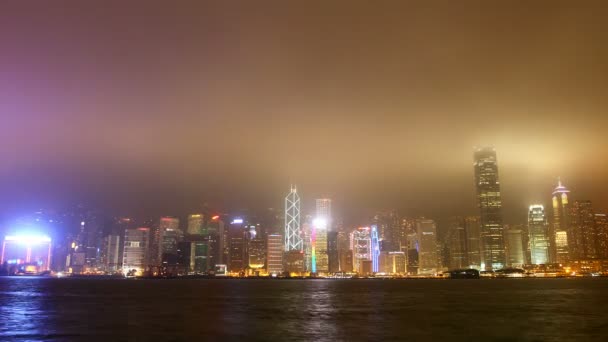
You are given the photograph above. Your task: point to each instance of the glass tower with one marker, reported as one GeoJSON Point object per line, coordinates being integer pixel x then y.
{"type": "Point", "coordinates": [293, 238]}
{"type": "Point", "coordinates": [538, 235]}
{"type": "Point", "coordinates": [559, 233]}
{"type": "Point", "coordinates": [490, 207]}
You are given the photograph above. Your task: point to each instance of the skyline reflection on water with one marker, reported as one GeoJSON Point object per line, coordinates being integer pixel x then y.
{"type": "Point", "coordinates": [321, 310]}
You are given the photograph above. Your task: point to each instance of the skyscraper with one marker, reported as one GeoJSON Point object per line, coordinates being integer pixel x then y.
{"type": "Point", "coordinates": [538, 235]}
{"type": "Point", "coordinates": [490, 206]}
{"type": "Point", "coordinates": [584, 236]}
{"type": "Point", "coordinates": [167, 227]}
{"type": "Point", "coordinates": [323, 211]}
{"type": "Point", "coordinates": [195, 224]}
{"type": "Point", "coordinates": [333, 254]}
{"type": "Point", "coordinates": [515, 246]}
{"type": "Point", "coordinates": [136, 251]}
{"type": "Point", "coordinates": [274, 253]}
{"type": "Point", "coordinates": [320, 263]}
{"type": "Point", "coordinates": [457, 244]}
{"type": "Point", "coordinates": [473, 233]}
{"type": "Point", "coordinates": [361, 246]}
{"type": "Point", "coordinates": [559, 232]}
{"type": "Point", "coordinates": [428, 260]}
{"type": "Point", "coordinates": [375, 249]}
{"type": "Point", "coordinates": [601, 226]}
{"type": "Point", "coordinates": [293, 234]}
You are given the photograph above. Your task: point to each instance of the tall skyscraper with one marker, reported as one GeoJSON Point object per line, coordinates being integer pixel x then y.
{"type": "Point", "coordinates": [538, 235]}
{"type": "Point", "coordinates": [428, 258]}
{"type": "Point", "coordinates": [195, 224]}
{"type": "Point", "coordinates": [361, 246]}
{"type": "Point", "coordinates": [274, 253]}
{"type": "Point", "coordinates": [473, 232]}
{"type": "Point", "coordinates": [559, 231]}
{"type": "Point", "coordinates": [167, 227]}
{"type": "Point", "coordinates": [584, 236]}
{"type": "Point", "coordinates": [293, 234]}
{"type": "Point", "coordinates": [457, 244]}
{"type": "Point", "coordinates": [490, 206]}
{"type": "Point", "coordinates": [375, 249]}
{"type": "Point", "coordinates": [323, 211]}
{"type": "Point", "coordinates": [333, 253]}
{"type": "Point", "coordinates": [320, 263]}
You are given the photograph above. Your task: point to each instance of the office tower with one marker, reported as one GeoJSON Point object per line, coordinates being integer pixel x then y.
{"type": "Point", "coordinates": [195, 224]}
{"type": "Point", "coordinates": [559, 233]}
{"type": "Point", "coordinates": [601, 226]}
{"type": "Point", "coordinates": [345, 253]}
{"type": "Point", "coordinates": [456, 241]}
{"type": "Point", "coordinates": [490, 207]}
{"type": "Point", "coordinates": [361, 243]}
{"type": "Point", "coordinates": [333, 252]}
{"type": "Point", "coordinates": [426, 232]}
{"type": "Point", "coordinates": [136, 251]}
{"type": "Point", "coordinates": [473, 233]}
{"type": "Point", "coordinates": [26, 254]}
{"type": "Point", "coordinates": [110, 253]}
{"type": "Point", "coordinates": [166, 226]}
{"type": "Point", "coordinates": [293, 235]}
{"type": "Point", "coordinates": [411, 247]}
{"type": "Point", "coordinates": [274, 253]}
{"type": "Point", "coordinates": [195, 255]}
{"type": "Point", "coordinates": [238, 238]}
{"type": "Point", "coordinates": [515, 246]}
{"type": "Point", "coordinates": [256, 254]}
{"type": "Point", "coordinates": [323, 211]}
{"type": "Point", "coordinates": [583, 233]}
{"type": "Point", "coordinates": [320, 259]}
{"type": "Point", "coordinates": [375, 245]}
{"type": "Point", "coordinates": [389, 230]}
{"type": "Point", "coordinates": [538, 234]}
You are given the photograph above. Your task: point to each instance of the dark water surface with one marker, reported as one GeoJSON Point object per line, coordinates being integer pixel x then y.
{"type": "Point", "coordinates": [314, 310]}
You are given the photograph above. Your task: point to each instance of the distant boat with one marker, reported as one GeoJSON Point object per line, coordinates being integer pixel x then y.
{"type": "Point", "coordinates": [464, 274]}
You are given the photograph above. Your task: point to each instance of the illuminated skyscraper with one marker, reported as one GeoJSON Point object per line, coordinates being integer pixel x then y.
{"type": "Point", "coordinates": [583, 232]}
{"type": "Point", "coordinates": [323, 211]}
{"type": "Point", "coordinates": [515, 246]}
{"type": "Point", "coordinates": [136, 251]}
{"type": "Point", "coordinates": [490, 206]}
{"type": "Point", "coordinates": [293, 234]}
{"type": "Point", "coordinates": [361, 246]}
{"type": "Point", "coordinates": [256, 252]}
{"type": "Point", "coordinates": [473, 234]}
{"type": "Point", "coordinates": [601, 226]}
{"type": "Point", "coordinates": [559, 232]}
{"type": "Point", "coordinates": [26, 254]}
{"type": "Point", "coordinates": [428, 259]}
{"type": "Point", "coordinates": [167, 227]}
{"type": "Point", "coordinates": [274, 254]}
{"type": "Point", "coordinates": [375, 249]}
{"type": "Point", "coordinates": [457, 244]}
{"type": "Point", "coordinates": [320, 258]}
{"type": "Point", "coordinates": [538, 235]}
{"type": "Point", "coordinates": [195, 224]}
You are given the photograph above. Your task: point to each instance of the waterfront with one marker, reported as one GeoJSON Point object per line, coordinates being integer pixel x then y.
{"type": "Point", "coordinates": [321, 310]}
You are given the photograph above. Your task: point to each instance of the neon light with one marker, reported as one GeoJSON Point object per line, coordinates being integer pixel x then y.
{"type": "Point", "coordinates": [237, 221]}
{"type": "Point", "coordinates": [375, 249]}
{"type": "Point", "coordinates": [28, 238]}
{"type": "Point", "coordinates": [313, 240]}
{"type": "Point", "coordinates": [215, 217]}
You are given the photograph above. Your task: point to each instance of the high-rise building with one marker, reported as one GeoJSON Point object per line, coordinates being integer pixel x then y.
{"type": "Point", "coordinates": [583, 232]}
{"type": "Point", "coordinates": [256, 252]}
{"type": "Point", "coordinates": [195, 224]}
{"type": "Point", "coordinates": [165, 235]}
{"type": "Point", "coordinates": [274, 253]}
{"type": "Point", "coordinates": [490, 206]}
{"type": "Point", "coordinates": [457, 244]}
{"type": "Point", "coordinates": [389, 230]}
{"type": "Point", "coordinates": [345, 253]}
{"type": "Point", "coordinates": [293, 234]}
{"type": "Point", "coordinates": [333, 252]}
{"type": "Point", "coordinates": [392, 263]}
{"type": "Point", "coordinates": [361, 246]}
{"type": "Point", "coordinates": [323, 211]}
{"type": "Point", "coordinates": [515, 247]}
{"type": "Point", "coordinates": [428, 259]}
{"type": "Point", "coordinates": [473, 232]}
{"type": "Point", "coordinates": [538, 234]}
{"type": "Point", "coordinates": [111, 253]}
{"type": "Point", "coordinates": [375, 249]}
{"type": "Point", "coordinates": [136, 251]}
{"type": "Point", "coordinates": [559, 231]}
{"type": "Point", "coordinates": [320, 258]}
{"type": "Point", "coordinates": [237, 255]}
{"type": "Point", "coordinates": [601, 226]}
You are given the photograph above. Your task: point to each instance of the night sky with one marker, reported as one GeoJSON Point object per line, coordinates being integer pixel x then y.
{"type": "Point", "coordinates": [152, 108]}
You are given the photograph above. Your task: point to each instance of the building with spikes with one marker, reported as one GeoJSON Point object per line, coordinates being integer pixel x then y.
{"type": "Point", "coordinates": [293, 238]}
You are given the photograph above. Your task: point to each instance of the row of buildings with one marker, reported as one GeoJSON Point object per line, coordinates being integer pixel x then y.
{"type": "Point", "coordinates": [288, 241]}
